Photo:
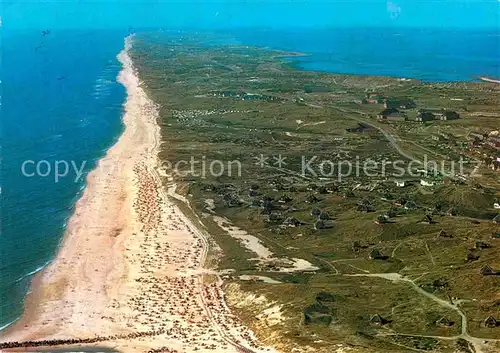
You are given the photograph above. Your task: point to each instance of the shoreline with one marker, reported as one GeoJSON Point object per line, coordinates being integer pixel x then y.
{"type": "Point", "coordinates": [129, 272]}
{"type": "Point", "coordinates": [42, 276]}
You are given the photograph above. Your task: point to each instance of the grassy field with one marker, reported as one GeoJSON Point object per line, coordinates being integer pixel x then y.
{"type": "Point", "coordinates": [259, 119]}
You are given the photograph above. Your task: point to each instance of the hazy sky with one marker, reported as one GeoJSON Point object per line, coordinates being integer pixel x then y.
{"type": "Point", "coordinates": [244, 13]}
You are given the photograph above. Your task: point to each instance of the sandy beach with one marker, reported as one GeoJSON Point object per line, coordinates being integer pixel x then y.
{"type": "Point", "coordinates": [129, 274]}
{"type": "Point", "coordinates": [488, 79]}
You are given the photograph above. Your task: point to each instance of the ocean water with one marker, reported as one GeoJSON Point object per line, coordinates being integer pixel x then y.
{"type": "Point", "coordinates": [432, 55]}
{"type": "Point", "coordinates": [61, 102]}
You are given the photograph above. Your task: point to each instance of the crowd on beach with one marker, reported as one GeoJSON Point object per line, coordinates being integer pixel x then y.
{"type": "Point", "coordinates": [172, 295]}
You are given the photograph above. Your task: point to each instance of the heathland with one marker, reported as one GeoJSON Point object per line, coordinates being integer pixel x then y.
{"type": "Point", "coordinates": [330, 223]}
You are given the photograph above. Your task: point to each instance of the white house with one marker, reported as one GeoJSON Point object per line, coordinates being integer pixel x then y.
{"type": "Point", "coordinates": [400, 183]}
{"type": "Point", "coordinates": [426, 182]}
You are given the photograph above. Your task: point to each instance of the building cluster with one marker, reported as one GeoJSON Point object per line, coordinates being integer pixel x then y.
{"type": "Point", "coordinates": [486, 145]}
{"type": "Point", "coordinates": [197, 117]}
{"type": "Point", "coordinates": [388, 102]}
{"type": "Point", "coordinates": [245, 96]}
{"type": "Point", "coordinates": [423, 115]}
{"type": "Point", "coordinates": [490, 139]}
{"type": "Point", "coordinates": [397, 108]}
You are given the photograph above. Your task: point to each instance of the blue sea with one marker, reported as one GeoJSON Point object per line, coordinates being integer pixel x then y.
{"type": "Point", "coordinates": [61, 102]}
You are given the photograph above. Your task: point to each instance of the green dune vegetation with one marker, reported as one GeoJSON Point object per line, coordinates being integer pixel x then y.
{"type": "Point", "coordinates": [326, 257]}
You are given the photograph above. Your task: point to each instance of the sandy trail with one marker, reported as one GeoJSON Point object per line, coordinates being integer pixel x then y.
{"type": "Point", "coordinates": [480, 344]}
{"type": "Point", "coordinates": [128, 273]}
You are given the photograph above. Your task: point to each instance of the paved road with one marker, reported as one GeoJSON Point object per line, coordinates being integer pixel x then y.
{"type": "Point", "coordinates": [391, 138]}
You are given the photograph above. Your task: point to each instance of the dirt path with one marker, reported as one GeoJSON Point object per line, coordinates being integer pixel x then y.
{"type": "Point", "coordinates": [478, 343]}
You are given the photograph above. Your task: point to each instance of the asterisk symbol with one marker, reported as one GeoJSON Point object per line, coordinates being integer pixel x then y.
{"type": "Point", "coordinates": [261, 160]}
{"type": "Point", "coordinates": [280, 160]}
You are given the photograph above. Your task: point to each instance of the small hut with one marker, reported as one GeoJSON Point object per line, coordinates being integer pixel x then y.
{"type": "Point", "coordinates": [482, 245]}
{"type": "Point", "coordinates": [378, 320]}
{"type": "Point", "coordinates": [285, 199]}
{"type": "Point", "coordinates": [292, 222]}
{"type": "Point", "coordinates": [471, 256]}
{"type": "Point", "coordinates": [427, 220]}
{"type": "Point", "coordinates": [444, 322]}
{"type": "Point", "coordinates": [451, 211]}
{"type": "Point", "coordinates": [319, 224]}
{"type": "Point", "coordinates": [311, 199]}
{"type": "Point", "coordinates": [315, 212]}
{"type": "Point", "coordinates": [443, 234]}
{"type": "Point", "coordinates": [400, 202]}
{"type": "Point", "coordinates": [490, 322]}
{"type": "Point", "coordinates": [324, 216]}
{"type": "Point", "coordinates": [375, 254]}
{"type": "Point", "coordinates": [488, 271]}
{"type": "Point", "coordinates": [382, 219]}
